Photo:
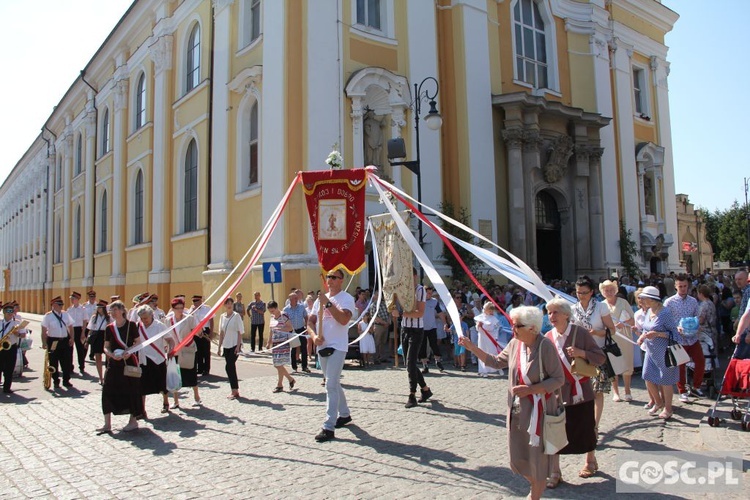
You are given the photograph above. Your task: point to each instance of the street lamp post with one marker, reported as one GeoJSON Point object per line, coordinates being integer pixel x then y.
{"type": "Point", "coordinates": [397, 147]}
{"type": "Point", "coordinates": [747, 217]}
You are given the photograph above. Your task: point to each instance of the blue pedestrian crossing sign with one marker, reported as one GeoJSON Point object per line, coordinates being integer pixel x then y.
{"type": "Point", "coordinates": [271, 272]}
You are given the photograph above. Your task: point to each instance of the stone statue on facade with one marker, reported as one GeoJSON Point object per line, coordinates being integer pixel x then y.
{"type": "Point", "coordinates": [559, 152]}
{"type": "Point", "coordinates": [373, 138]}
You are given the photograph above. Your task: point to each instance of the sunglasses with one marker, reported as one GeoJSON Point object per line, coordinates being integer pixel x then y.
{"type": "Point", "coordinates": [333, 277]}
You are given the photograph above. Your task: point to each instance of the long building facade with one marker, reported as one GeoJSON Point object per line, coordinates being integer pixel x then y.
{"type": "Point", "coordinates": [164, 159]}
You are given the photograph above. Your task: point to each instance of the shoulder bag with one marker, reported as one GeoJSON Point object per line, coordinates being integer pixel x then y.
{"type": "Point", "coordinates": [130, 370]}
{"type": "Point", "coordinates": [675, 355]}
{"type": "Point", "coordinates": [554, 435]}
{"type": "Point", "coordinates": [615, 363]}
{"type": "Point", "coordinates": [581, 367]}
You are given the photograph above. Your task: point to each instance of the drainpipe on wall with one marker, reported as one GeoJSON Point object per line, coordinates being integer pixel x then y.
{"type": "Point", "coordinates": [210, 129]}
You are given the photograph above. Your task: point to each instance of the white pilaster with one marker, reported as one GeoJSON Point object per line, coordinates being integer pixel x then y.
{"type": "Point", "coordinates": [325, 96]}
{"type": "Point", "coordinates": [119, 183]}
{"type": "Point", "coordinates": [423, 52]}
{"type": "Point", "coordinates": [626, 138]}
{"type": "Point", "coordinates": [219, 258]}
{"type": "Point", "coordinates": [478, 97]}
{"type": "Point", "coordinates": [161, 54]}
{"type": "Point", "coordinates": [272, 128]}
{"type": "Point", "coordinates": [88, 211]}
{"type": "Point", "coordinates": [67, 151]}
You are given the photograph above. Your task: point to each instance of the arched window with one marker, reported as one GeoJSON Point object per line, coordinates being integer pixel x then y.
{"type": "Point", "coordinates": [547, 214]}
{"type": "Point", "coordinates": [253, 152]}
{"type": "Point", "coordinates": [79, 154]}
{"type": "Point", "coordinates": [105, 133]}
{"type": "Point", "coordinates": [103, 222]}
{"type": "Point", "coordinates": [138, 205]}
{"type": "Point", "coordinates": [531, 45]}
{"type": "Point", "coordinates": [190, 186]}
{"type": "Point", "coordinates": [192, 75]}
{"type": "Point", "coordinates": [140, 102]}
{"type": "Point", "coordinates": [77, 233]}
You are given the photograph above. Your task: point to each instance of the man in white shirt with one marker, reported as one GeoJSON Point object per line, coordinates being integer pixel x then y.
{"type": "Point", "coordinates": [78, 314]}
{"type": "Point", "coordinates": [57, 336]}
{"type": "Point", "coordinates": [332, 345]}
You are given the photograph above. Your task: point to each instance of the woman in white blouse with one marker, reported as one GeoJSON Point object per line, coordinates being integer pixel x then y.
{"type": "Point", "coordinates": [231, 328]}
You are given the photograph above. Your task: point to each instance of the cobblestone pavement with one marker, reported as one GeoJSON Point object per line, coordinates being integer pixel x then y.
{"type": "Point", "coordinates": [262, 445]}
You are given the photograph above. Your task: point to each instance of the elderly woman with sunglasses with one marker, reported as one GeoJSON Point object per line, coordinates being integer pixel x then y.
{"type": "Point", "coordinates": [528, 396]}
{"type": "Point", "coordinates": [572, 341]}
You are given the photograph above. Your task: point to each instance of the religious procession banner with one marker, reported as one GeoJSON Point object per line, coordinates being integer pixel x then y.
{"type": "Point", "coordinates": [336, 206]}
{"type": "Point", "coordinates": [395, 258]}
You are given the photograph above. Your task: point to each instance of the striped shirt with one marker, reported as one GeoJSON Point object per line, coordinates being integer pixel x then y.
{"type": "Point", "coordinates": [257, 318]}
{"type": "Point", "coordinates": [416, 322]}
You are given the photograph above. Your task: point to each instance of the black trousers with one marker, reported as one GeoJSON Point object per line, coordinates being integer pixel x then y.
{"type": "Point", "coordinates": [80, 348]}
{"type": "Point", "coordinates": [7, 364]}
{"type": "Point", "coordinates": [431, 337]}
{"type": "Point", "coordinates": [302, 349]}
{"type": "Point", "coordinates": [203, 355]}
{"type": "Point", "coordinates": [231, 366]}
{"type": "Point", "coordinates": [256, 328]}
{"type": "Point", "coordinates": [412, 341]}
{"type": "Point", "coordinates": [61, 359]}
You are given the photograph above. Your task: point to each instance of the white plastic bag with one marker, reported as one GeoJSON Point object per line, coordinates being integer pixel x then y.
{"type": "Point", "coordinates": [174, 378]}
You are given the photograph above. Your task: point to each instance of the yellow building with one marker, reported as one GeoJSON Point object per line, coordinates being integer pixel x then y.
{"type": "Point", "coordinates": [164, 159]}
{"type": "Point", "coordinates": [696, 253]}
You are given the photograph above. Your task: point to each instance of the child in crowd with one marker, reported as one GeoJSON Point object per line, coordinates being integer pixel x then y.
{"type": "Point", "coordinates": [367, 343]}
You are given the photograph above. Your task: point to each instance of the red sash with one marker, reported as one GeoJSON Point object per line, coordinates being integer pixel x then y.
{"type": "Point", "coordinates": [116, 335]}
{"type": "Point", "coordinates": [572, 382]}
{"type": "Point", "coordinates": [153, 345]}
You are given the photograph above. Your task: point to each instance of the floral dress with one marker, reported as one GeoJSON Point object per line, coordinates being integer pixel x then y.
{"type": "Point", "coordinates": [655, 369]}
{"type": "Point", "coordinates": [281, 355]}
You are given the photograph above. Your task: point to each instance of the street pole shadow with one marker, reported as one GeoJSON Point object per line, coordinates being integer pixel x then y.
{"type": "Point", "coordinates": [16, 398]}
{"type": "Point", "coordinates": [470, 414]}
{"type": "Point", "coordinates": [204, 413]}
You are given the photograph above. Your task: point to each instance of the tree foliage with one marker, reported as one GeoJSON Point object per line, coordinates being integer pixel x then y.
{"type": "Point", "coordinates": [472, 261]}
{"type": "Point", "coordinates": [628, 251]}
{"type": "Point", "coordinates": [727, 232]}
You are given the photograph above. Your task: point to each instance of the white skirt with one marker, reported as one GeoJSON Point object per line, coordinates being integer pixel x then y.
{"type": "Point", "coordinates": [367, 344]}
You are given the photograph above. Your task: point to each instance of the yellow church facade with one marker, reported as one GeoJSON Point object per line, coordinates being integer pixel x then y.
{"type": "Point", "coordinates": [166, 157]}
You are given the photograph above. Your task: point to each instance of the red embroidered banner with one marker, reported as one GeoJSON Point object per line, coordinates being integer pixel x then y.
{"type": "Point", "coordinates": [336, 205]}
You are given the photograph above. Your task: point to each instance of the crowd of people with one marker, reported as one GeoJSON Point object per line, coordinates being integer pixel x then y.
{"type": "Point", "coordinates": [561, 344]}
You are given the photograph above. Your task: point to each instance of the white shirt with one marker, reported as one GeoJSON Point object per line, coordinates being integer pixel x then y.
{"type": "Point", "coordinates": [97, 323]}
{"type": "Point", "coordinates": [156, 351]}
{"type": "Point", "coordinates": [57, 325]}
{"type": "Point", "coordinates": [335, 334]}
{"type": "Point", "coordinates": [201, 313]}
{"type": "Point", "coordinates": [159, 314]}
{"type": "Point", "coordinates": [600, 311]}
{"type": "Point", "coordinates": [490, 324]}
{"type": "Point", "coordinates": [89, 311]}
{"type": "Point", "coordinates": [232, 327]}
{"type": "Point", "coordinates": [184, 327]}
{"type": "Point", "coordinates": [78, 313]}
{"type": "Point", "coordinates": [7, 326]}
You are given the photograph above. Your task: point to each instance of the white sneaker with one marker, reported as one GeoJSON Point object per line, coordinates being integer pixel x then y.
{"type": "Point", "coordinates": [684, 398]}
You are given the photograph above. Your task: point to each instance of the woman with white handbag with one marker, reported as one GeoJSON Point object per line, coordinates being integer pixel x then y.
{"type": "Point", "coordinates": [622, 316]}
{"type": "Point", "coordinates": [658, 326]}
{"type": "Point", "coordinates": [531, 394]}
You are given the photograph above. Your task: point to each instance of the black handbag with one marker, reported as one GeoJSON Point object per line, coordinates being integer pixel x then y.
{"type": "Point", "coordinates": [610, 346]}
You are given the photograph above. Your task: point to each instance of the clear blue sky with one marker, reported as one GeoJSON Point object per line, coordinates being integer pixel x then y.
{"type": "Point", "coordinates": [47, 42]}
{"type": "Point", "coordinates": [709, 55]}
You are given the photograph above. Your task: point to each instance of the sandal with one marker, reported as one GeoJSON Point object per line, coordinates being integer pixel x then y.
{"type": "Point", "coordinates": [165, 408]}
{"type": "Point", "coordinates": [554, 480]}
{"type": "Point", "coordinates": [627, 398]}
{"type": "Point", "coordinates": [130, 427]}
{"type": "Point", "coordinates": [291, 384]}
{"type": "Point", "coordinates": [616, 398]}
{"type": "Point", "coordinates": [665, 415]}
{"type": "Point", "coordinates": [588, 471]}
{"type": "Point", "coordinates": [175, 406]}
{"type": "Point", "coordinates": [655, 410]}
{"type": "Point", "coordinates": [103, 430]}
{"type": "Point", "coordinates": [278, 389]}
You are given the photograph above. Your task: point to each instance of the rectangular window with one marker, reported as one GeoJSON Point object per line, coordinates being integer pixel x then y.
{"type": "Point", "coordinates": [639, 92]}
{"type": "Point", "coordinates": [530, 44]}
{"type": "Point", "coordinates": [369, 14]}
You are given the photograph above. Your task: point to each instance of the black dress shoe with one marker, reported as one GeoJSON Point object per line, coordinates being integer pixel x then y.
{"type": "Point", "coordinates": [425, 396]}
{"type": "Point", "coordinates": [324, 436]}
{"type": "Point", "coordinates": [412, 402]}
{"type": "Point", "coordinates": [342, 421]}
{"type": "Point", "coordinates": [67, 383]}
{"type": "Point", "coordinates": [8, 391]}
